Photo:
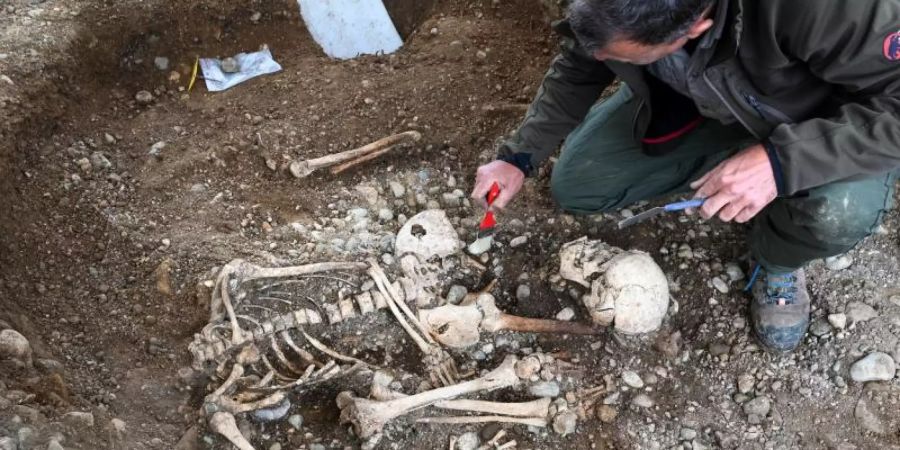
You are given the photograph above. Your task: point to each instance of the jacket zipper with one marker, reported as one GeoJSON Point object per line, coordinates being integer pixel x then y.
{"type": "Point", "coordinates": [761, 109]}
{"type": "Point", "coordinates": [730, 108]}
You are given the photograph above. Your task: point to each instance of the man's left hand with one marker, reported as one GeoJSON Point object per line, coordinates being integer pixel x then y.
{"type": "Point", "coordinates": [739, 187]}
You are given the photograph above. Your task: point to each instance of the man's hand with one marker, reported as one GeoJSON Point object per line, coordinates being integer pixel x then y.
{"type": "Point", "coordinates": [508, 176]}
{"type": "Point", "coordinates": [739, 187]}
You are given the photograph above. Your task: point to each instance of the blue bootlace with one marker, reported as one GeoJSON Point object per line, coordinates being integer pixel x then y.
{"type": "Point", "coordinates": [778, 287]}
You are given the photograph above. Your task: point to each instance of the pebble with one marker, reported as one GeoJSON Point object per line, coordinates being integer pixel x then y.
{"type": "Point", "coordinates": [719, 349]}
{"type": "Point", "coordinates": [687, 434]}
{"type": "Point", "coordinates": [544, 389]}
{"type": "Point", "coordinates": [143, 97]}
{"type": "Point", "coordinates": [157, 148]}
{"type": "Point", "coordinates": [523, 292]}
{"type": "Point", "coordinates": [55, 445]}
{"type": "Point", "coordinates": [456, 294]}
{"type": "Point", "coordinates": [820, 327]}
{"type": "Point", "coordinates": [720, 285]}
{"type": "Point", "coordinates": [161, 62]}
{"type": "Point", "coordinates": [642, 401]}
{"type": "Point", "coordinates": [296, 421]}
{"type": "Point", "coordinates": [867, 419]}
{"type": "Point", "coordinates": [85, 165]}
{"type": "Point", "coordinates": [77, 419]}
{"type": "Point", "coordinates": [734, 272]}
{"type": "Point", "coordinates": [468, 441]}
{"type": "Point", "coordinates": [566, 314]}
{"type": "Point", "coordinates": [564, 423]}
{"type": "Point", "coordinates": [100, 160]}
{"type": "Point", "coordinates": [759, 407]}
{"type": "Point", "coordinates": [518, 241]}
{"type": "Point", "coordinates": [860, 312]}
{"type": "Point", "coordinates": [397, 189]}
{"type": "Point", "coordinates": [685, 252]}
{"type": "Point", "coordinates": [895, 299]}
{"type": "Point", "coordinates": [745, 383]}
{"type": "Point", "coordinates": [14, 346]}
{"type": "Point", "coordinates": [631, 378]}
{"type": "Point", "coordinates": [385, 215]}
{"type": "Point", "coordinates": [838, 321]}
{"type": "Point", "coordinates": [8, 443]}
{"type": "Point", "coordinates": [606, 413]}
{"type": "Point", "coordinates": [838, 263]}
{"type": "Point", "coordinates": [874, 367]}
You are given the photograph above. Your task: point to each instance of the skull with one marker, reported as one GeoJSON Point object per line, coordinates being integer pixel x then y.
{"type": "Point", "coordinates": [423, 241]}
{"type": "Point", "coordinates": [628, 290]}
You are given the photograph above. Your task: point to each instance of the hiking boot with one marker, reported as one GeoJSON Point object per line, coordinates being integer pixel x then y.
{"type": "Point", "coordinates": [780, 308]}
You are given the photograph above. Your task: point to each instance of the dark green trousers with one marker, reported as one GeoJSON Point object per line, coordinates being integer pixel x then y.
{"type": "Point", "coordinates": [602, 168]}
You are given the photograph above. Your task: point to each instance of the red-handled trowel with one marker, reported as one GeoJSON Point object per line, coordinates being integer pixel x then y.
{"type": "Point", "coordinates": [485, 234]}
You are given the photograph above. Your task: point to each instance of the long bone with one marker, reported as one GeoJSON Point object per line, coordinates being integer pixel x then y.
{"type": "Point", "coordinates": [224, 424]}
{"type": "Point", "coordinates": [442, 367]}
{"type": "Point", "coordinates": [304, 168]}
{"type": "Point", "coordinates": [369, 417]}
{"type": "Point", "coordinates": [459, 326]}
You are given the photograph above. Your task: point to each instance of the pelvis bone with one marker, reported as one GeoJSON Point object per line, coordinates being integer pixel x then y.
{"type": "Point", "coordinates": [627, 288]}
{"type": "Point", "coordinates": [460, 326]}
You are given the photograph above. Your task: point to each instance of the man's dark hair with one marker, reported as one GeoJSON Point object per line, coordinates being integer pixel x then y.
{"type": "Point", "coordinates": [596, 23]}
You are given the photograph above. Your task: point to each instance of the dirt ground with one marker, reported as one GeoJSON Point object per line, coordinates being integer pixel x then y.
{"type": "Point", "coordinates": [92, 218]}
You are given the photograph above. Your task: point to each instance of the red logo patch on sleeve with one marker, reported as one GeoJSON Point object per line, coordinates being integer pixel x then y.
{"type": "Point", "coordinates": [892, 47]}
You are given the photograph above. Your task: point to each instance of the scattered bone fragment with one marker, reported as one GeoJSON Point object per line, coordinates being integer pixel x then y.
{"type": "Point", "coordinates": [305, 168]}
{"type": "Point", "coordinates": [224, 424]}
{"type": "Point", "coordinates": [628, 290]}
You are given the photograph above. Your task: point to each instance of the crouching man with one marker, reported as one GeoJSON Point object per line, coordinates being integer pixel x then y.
{"type": "Point", "coordinates": [780, 112]}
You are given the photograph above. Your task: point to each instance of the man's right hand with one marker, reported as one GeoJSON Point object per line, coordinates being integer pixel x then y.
{"type": "Point", "coordinates": [508, 176]}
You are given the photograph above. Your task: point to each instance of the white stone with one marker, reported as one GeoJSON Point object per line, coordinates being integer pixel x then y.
{"type": "Point", "coordinates": [566, 314]}
{"type": "Point", "coordinates": [720, 285]}
{"type": "Point", "coordinates": [439, 239]}
{"type": "Point", "coordinates": [518, 241]}
{"type": "Point", "coordinates": [874, 367]}
{"type": "Point", "coordinates": [631, 378]}
{"type": "Point", "coordinates": [468, 441]}
{"type": "Point", "coordinates": [838, 321]}
{"type": "Point", "coordinates": [838, 263]}
{"type": "Point", "coordinates": [860, 312]}
{"type": "Point", "coordinates": [14, 346]}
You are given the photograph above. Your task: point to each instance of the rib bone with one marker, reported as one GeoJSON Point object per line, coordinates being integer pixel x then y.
{"type": "Point", "coordinates": [459, 326]}
{"type": "Point", "coordinates": [369, 417]}
{"type": "Point", "coordinates": [304, 168]}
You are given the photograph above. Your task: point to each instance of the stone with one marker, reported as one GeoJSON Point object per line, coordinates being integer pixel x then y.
{"type": "Point", "coordinates": [296, 421]}
{"type": "Point", "coordinates": [428, 234]}
{"type": "Point", "coordinates": [143, 97]}
{"type": "Point", "coordinates": [687, 434]}
{"type": "Point", "coordinates": [397, 189]}
{"type": "Point", "coordinates": [85, 165]}
{"type": "Point", "coordinates": [874, 367]}
{"type": "Point", "coordinates": [456, 294]}
{"type": "Point", "coordinates": [820, 327]}
{"type": "Point", "coordinates": [161, 63]}
{"type": "Point", "coordinates": [566, 314]}
{"type": "Point", "coordinates": [157, 148]}
{"type": "Point", "coordinates": [745, 383]}
{"type": "Point", "coordinates": [759, 406]}
{"type": "Point", "coordinates": [55, 445]}
{"type": "Point", "coordinates": [564, 423]}
{"type": "Point", "coordinates": [867, 419]}
{"type": "Point", "coordinates": [14, 346]}
{"type": "Point", "coordinates": [385, 215]}
{"type": "Point", "coordinates": [838, 263]}
{"type": "Point", "coordinates": [8, 443]}
{"type": "Point", "coordinates": [468, 441]}
{"type": "Point", "coordinates": [518, 241]}
{"type": "Point", "coordinates": [720, 285]}
{"type": "Point", "coordinates": [642, 401]}
{"type": "Point", "coordinates": [632, 379]}
{"type": "Point", "coordinates": [78, 420]}
{"type": "Point", "coordinates": [163, 276]}
{"type": "Point", "coordinates": [523, 292]}
{"type": "Point", "coordinates": [838, 321]}
{"type": "Point", "coordinates": [859, 312]}
{"type": "Point", "coordinates": [734, 272]}
{"type": "Point", "coordinates": [719, 348]}
{"type": "Point", "coordinates": [606, 413]}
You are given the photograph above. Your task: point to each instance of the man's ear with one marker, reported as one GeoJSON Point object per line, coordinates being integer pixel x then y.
{"type": "Point", "coordinates": [699, 27]}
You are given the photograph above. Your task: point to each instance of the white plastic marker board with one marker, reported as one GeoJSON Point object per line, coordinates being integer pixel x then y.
{"type": "Point", "coordinates": [348, 28]}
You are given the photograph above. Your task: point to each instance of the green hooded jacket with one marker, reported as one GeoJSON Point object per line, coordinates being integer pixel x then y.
{"type": "Point", "coordinates": [816, 81]}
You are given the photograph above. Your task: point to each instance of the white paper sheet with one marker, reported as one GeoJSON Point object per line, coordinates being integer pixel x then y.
{"type": "Point", "coordinates": [348, 28]}
{"type": "Point", "coordinates": [251, 64]}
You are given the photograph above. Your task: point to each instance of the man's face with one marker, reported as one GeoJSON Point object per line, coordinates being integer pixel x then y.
{"type": "Point", "coordinates": [631, 52]}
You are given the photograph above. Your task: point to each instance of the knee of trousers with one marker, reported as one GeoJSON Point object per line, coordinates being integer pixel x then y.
{"type": "Point", "coordinates": [580, 197]}
{"type": "Point", "coordinates": [838, 222]}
